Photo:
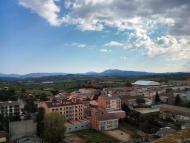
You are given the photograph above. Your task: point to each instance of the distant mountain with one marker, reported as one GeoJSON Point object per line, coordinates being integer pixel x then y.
{"type": "Point", "coordinates": [106, 73]}
{"type": "Point", "coordinates": [10, 75]}
{"type": "Point", "coordinates": [122, 73]}
{"type": "Point", "coordinates": [91, 73]}
{"type": "Point", "coordinates": [36, 75]}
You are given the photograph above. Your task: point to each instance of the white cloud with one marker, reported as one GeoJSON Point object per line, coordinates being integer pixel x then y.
{"type": "Point", "coordinates": [47, 9]}
{"type": "Point", "coordinates": [114, 43]}
{"type": "Point", "coordinates": [139, 16]}
{"type": "Point", "coordinates": [82, 46]}
{"type": "Point", "coordinates": [75, 44]}
{"type": "Point", "coordinates": [117, 44]}
{"type": "Point", "coordinates": [104, 50]}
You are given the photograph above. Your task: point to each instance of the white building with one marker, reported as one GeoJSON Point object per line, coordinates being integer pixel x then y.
{"type": "Point", "coordinates": [10, 108]}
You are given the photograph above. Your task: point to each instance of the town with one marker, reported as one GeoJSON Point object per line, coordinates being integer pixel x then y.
{"type": "Point", "coordinates": [95, 71]}
{"type": "Point", "coordinates": [136, 112]}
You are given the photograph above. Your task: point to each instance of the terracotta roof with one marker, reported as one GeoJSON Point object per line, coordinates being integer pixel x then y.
{"type": "Point", "coordinates": [51, 104]}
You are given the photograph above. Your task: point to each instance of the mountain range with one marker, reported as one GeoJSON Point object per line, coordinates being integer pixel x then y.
{"type": "Point", "coordinates": [109, 73]}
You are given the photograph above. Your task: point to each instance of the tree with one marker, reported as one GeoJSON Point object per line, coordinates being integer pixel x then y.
{"type": "Point", "coordinates": [177, 100]}
{"type": "Point", "coordinates": [157, 98]}
{"type": "Point", "coordinates": [187, 104]}
{"type": "Point", "coordinates": [40, 122]}
{"type": "Point", "coordinates": [6, 95]}
{"type": "Point", "coordinates": [128, 84]}
{"type": "Point", "coordinates": [30, 107]}
{"type": "Point", "coordinates": [54, 128]}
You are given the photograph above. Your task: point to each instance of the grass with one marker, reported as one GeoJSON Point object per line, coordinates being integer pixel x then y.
{"type": "Point", "coordinates": [93, 136]}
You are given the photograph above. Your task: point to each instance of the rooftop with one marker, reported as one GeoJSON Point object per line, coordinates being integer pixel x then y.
{"type": "Point", "coordinates": [173, 108]}
{"type": "Point", "coordinates": [51, 104]}
{"type": "Point", "coordinates": [147, 110]}
{"type": "Point", "coordinates": [146, 83]}
{"type": "Point", "coordinates": [9, 103]}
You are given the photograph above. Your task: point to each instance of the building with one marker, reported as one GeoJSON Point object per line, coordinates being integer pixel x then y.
{"type": "Point", "coordinates": [20, 129]}
{"type": "Point", "coordinates": [3, 138]}
{"type": "Point", "coordinates": [102, 121]}
{"type": "Point", "coordinates": [145, 111]}
{"type": "Point", "coordinates": [175, 113]}
{"type": "Point", "coordinates": [71, 109]}
{"type": "Point", "coordinates": [10, 108]}
{"type": "Point", "coordinates": [77, 125]}
{"type": "Point", "coordinates": [146, 83]}
{"type": "Point", "coordinates": [109, 102]}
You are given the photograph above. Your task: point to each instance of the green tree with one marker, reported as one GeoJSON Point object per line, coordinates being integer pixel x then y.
{"type": "Point", "coordinates": [30, 107]}
{"type": "Point", "coordinates": [54, 128]}
{"type": "Point", "coordinates": [177, 100]}
{"type": "Point", "coordinates": [40, 122]}
{"type": "Point", "coordinates": [187, 104]}
{"type": "Point", "coordinates": [157, 98]}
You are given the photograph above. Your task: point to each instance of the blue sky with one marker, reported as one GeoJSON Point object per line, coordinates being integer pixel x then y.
{"type": "Point", "coordinates": [90, 35]}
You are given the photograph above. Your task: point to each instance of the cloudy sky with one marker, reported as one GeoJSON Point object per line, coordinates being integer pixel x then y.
{"type": "Point", "coordinates": [94, 35]}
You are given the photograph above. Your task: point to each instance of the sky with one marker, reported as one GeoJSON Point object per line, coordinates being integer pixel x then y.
{"type": "Point", "coordinates": [74, 36]}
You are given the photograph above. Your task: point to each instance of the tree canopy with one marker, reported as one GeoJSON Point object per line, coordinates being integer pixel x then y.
{"type": "Point", "coordinates": [54, 128]}
{"type": "Point", "coordinates": [177, 100]}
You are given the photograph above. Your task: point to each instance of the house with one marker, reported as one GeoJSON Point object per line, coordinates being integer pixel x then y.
{"type": "Point", "coordinates": [3, 138]}
{"type": "Point", "coordinates": [10, 108]}
{"type": "Point", "coordinates": [175, 113]}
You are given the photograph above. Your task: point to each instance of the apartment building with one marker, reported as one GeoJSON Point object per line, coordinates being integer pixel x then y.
{"type": "Point", "coordinates": [10, 108]}
{"type": "Point", "coordinates": [109, 102]}
{"type": "Point", "coordinates": [102, 121]}
{"type": "Point", "coordinates": [71, 109]}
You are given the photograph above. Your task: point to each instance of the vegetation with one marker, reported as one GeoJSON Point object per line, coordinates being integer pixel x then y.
{"type": "Point", "coordinates": [178, 101]}
{"type": "Point", "coordinates": [54, 128]}
{"type": "Point", "coordinates": [93, 136]}
{"type": "Point", "coordinates": [176, 138]}
{"type": "Point", "coordinates": [7, 94]}
{"type": "Point", "coordinates": [40, 122]}
{"type": "Point", "coordinates": [157, 98]}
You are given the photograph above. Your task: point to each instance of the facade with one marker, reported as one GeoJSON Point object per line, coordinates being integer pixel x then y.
{"type": "Point", "coordinates": [102, 121]}
{"type": "Point", "coordinates": [109, 102]}
{"type": "Point", "coordinates": [10, 108]}
{"type": "Point", "coordinates": [77, 125]}
{"type": "Point", "coordinates": [175, 113]}
{"type": "Point", "coordinates": [72, 110]}
{"type": "Point", "coordinates": [20, 129]}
